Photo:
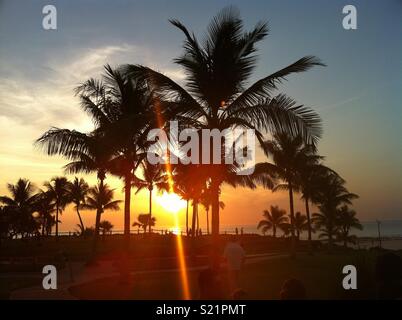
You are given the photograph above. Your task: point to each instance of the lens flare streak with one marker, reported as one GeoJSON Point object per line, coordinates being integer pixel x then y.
{"type": "Point", "coordinates": [179, 242]}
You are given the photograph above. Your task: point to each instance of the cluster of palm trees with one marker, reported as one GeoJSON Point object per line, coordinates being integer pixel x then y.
{"type": "Point", "coordinates": [31, 211]}
{"type": "Point", "coordinates": [297, 168]}
{"type": "Point", "coordinates": [131, 100]}
{"type": "Point", "coordinates": [276, 218]}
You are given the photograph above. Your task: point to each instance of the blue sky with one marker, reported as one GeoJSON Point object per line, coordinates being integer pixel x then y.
{"type": "Point", "coordinates": [358, 94]}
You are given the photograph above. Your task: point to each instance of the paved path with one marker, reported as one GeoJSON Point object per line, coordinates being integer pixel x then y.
{"type": "Point", "coordinates": [80, 274]}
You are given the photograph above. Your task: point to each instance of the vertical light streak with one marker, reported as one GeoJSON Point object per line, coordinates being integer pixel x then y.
{"type": "Point", "coordinates": [179, 242]}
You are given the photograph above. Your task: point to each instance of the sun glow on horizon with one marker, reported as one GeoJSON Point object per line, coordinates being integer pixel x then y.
{"type": "Point", "coordinates": [171, 202]}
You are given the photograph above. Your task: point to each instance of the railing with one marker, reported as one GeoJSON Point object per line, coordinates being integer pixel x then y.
{"type": "Point", "coordinates": [157, 231]}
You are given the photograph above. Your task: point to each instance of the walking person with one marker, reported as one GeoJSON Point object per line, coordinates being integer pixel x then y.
{"type": "Point", "coordinates": [235, 256]}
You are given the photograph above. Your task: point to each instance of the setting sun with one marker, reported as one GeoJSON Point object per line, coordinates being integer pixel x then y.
{"type": "Point", "coordinates": [171, 202]}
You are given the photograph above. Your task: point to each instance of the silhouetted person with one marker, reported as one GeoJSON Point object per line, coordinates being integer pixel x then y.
{"type": "Point", "coordinates": [237, 231]}
{"type": "Point", "coordinates": [293, 289]}
{"type": "Point", "coordinates": [389, 276]}
{"type": "Point", "coordinates": [234, 255]}
{"type": "Point", "coordinates": [241, 231]}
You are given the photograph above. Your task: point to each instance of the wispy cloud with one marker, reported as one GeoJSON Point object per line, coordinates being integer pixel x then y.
{"type": "Point", "coordinates": [48, 98]}
{"type": "Point", "coordinates": [36, 96]}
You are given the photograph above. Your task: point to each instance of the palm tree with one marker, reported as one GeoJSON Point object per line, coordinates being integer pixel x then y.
{"type": "Point", "coordinates": [286, 228]}
{"type": "Point", "coordinates": [347, 220]}
{"type": "Point", "coordinates": [144, 221]}
{"type": "Point", "coordinates": [4, 224]}
{"type": "Point", "coordinates": [331, 195]}
{"type": "Point", "coordinates": [45, 207]}
{"type": "Point", "coordinates": [310, 175]}
{"type": "Point", "coordinates": [105, 227]}
{"type": "Point", "coordinates": [88, 152]}
{"type": "Point", "coordinates": [57, 189]}
{"type": "Point", "coordinates": [272, 220]}
{"type": "Point", "coordinates": [154, 176]}
{"type": "Point", "coordinates": [300, 224]}
{"type": "Point", "coordinates": [288, 154]}
{"type": "Point", "coordinates": [190, 181]}
{"type": "Point", "coordinates": [77, 192]}
{"type": "Point", "coordinates": [20, 205]}
{"type": "Point", "coordinates": [100, 198]}
{"type": "Point", "coordinates": [122, 110]}
{"type": "Point", "coordinates": [206, 203]}
{"type": "Point", "coordinates": [183, 189]}
{"type": "Point", "coordinates": [215, 97]}
{"type": "Point", "coordinates": [125, 116]}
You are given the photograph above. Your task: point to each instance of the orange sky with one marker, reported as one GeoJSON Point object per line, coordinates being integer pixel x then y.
{"type": "Point", "coordinates": [243, 206]}
{"type": "Point", "coordinates": [357, 96]}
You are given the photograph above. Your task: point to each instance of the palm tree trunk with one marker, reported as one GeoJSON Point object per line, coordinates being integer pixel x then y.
{"type": "Point", "coordinates": [330, 242]}
{"type": "Point", "coordinates": [274, 230]}
{"type": "Point", "coordinates": [96, 235]}
{"type": "Point", "coordinates": [43, 227]}
{"type": "Point", "coordinates": [330, 231]}
{"type": "Point", "coordinates": [57, 220]}
{"type": "Point", "coordinates": [207, 221]}
{"type": "Point", "coordinates": [194, 218]}
{"type": "Point", "coordinates": [345, 237]}
{"type": "Point", "coordinates": [97, 223]}
{"type": "Point", "coordinates": [79, 216]}
{"type": "Point", "coordinates": [292, 221]}
{"type": "Point", "coordinates": [215, 210]}
{"type": "Point", "coordinates": [198, 222]}
{"type": "Point", "coordinates": [150, 209]}
{"type": "Point", "coordinates": [308, 225]}
{"type": "Point", "coordinates": [127, 203]}
{"type": "Point", "coordinates": [187, 217]}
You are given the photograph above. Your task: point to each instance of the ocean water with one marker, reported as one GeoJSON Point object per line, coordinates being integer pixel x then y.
{"type": "Point", "coordinates": [388, 228]}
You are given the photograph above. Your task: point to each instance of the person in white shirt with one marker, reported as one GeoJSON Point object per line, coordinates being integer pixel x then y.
{"type": "Point", "coordinates": [235, 256]}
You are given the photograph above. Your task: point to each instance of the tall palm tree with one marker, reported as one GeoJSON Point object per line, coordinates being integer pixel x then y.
{"type": "Point", "coordinates": [100, 198]}
{"type": "Point", "coordinates": [215, 97]}
{"type": "Point", "coordinates": [125, 116]}
{"type": "Point", "coordinates": [77, 192]}
{"type": "Point", "coordinates": [121, 109]}
{"type": "Point", "coordinates": [347, 220]}
{"type": "Point", "coordinates": [272, 220]}
{"type": "Point", "coordinates": [154, 176]}
{"type": "Point", "coordinates": [288, 153]}
{"type": "Point", "coordinates": [57, 189]}
{"type": "Point", "coordinates": [300, 224]}
{"type": "Point", "coordinates": [20, 205]}
{"type": "Point", "coordinates": [331, 196]}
